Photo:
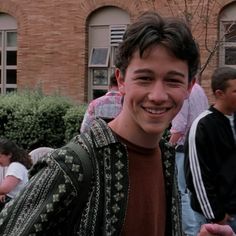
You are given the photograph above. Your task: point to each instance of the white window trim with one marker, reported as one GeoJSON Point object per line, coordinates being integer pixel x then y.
{"type": "Point", "coordinates": [116, 34]}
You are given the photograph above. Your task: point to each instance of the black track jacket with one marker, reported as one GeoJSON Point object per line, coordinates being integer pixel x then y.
{"type": "Point", "coordinates": [210, 165]}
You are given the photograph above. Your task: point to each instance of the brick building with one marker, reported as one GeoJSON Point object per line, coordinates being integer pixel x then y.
{"type": "Point", "coordinates": [68, 47]}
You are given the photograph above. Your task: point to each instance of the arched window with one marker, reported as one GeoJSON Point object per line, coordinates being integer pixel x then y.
{"type": "Point", "coordinates": [106, 29]}
{"type": "Point", "coordinates": [227, 53]}
{"type": "Point", "coordinates": [8, 53]}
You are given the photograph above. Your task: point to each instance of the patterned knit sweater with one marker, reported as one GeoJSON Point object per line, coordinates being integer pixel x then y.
{"type": "Point", "coordinates": [53, 202]}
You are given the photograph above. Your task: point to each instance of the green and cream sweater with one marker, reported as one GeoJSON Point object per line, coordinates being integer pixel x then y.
{"type": "Point", "coordinates": [51, 202]}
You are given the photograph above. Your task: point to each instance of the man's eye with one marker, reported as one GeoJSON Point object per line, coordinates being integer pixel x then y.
{"type": "Point", "coordinates": [174, 82]}
{"type": "Point", "coordinates": [145, 78]}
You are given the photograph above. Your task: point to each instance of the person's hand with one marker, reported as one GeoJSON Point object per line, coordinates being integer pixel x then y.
{"type": "Point", "coordinates": [225, 220]}
{"type": "Point", "coordinates": [2, 198]}
{"type": "Point", "coordinates": [216, 229]}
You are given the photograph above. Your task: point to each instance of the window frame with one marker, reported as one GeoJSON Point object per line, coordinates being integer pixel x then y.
{"type": "Point", "coordinates": [225, 44]}
{"type": "Point", "coordinates": [92, 53]}
{"type": "Point", "coordinates": [4, 48]}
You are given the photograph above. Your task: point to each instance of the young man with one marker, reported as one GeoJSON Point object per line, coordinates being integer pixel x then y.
{"type": "Point", "coordinates": [106, 107]}
{"type": "Point", "coordinates": [196, 103]}
{"type": "Point", "coordinates": [210, 154]}
{"type": "Point", "coordinates": [133, 190]}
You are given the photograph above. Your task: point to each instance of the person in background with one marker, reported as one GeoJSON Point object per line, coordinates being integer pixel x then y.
{"type": "Point", "coordinates": [195, 104]}
{"type": "Point", "coordinates": [16, 176]}
{"type": "Point", "coordinates": [133, 190]}
{"type": "Point", "coordinates": [210, 152]}
{"type": "Point", "coordinates": [106, 107]}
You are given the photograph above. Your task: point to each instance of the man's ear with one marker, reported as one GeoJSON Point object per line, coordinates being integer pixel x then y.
{"type": "Point", "coordinates": [190, 86]}
{"type": "Point", "coordinates": [120, 80]}
{"type": "Point", "coordinates": [218, 93]}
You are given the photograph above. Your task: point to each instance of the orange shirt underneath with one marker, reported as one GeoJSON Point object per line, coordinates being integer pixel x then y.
{"type": "Point", "coordinates": [146, 211]}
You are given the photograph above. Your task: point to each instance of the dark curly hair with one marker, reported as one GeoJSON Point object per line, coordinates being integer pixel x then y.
{"type": "Point", "coordinates": [151, 29]}
{"type": "Point", "coordinates": [8, 147]}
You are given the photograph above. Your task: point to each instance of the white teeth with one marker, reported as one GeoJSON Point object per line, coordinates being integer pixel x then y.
{"type": "Point", "coordinates": [156, 111]}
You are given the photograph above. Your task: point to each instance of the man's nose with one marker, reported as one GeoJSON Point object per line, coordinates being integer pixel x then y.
{"type": "Point", "coordinates": [158, 92]}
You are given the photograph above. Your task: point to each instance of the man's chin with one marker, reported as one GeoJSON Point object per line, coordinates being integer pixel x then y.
{"type": "Point", "coordinates": [152, 130]}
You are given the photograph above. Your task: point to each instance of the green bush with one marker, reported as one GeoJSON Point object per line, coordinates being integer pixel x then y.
{"type": "Point", "coordinates": [34, 120]}
{"type": "Point", "coordinates": [17, 116]}
{"type": "Point", "coordinates": [72, 120]}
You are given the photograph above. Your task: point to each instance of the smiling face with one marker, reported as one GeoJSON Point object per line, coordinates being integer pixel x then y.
{"type": "Point", "coordinates": [4, 160]}
{"type": "Point", "coordinates": [154, 89]}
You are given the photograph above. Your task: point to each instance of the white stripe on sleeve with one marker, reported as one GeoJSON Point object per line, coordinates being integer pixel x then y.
{"type": "Point", "coordinates": [196, 170]}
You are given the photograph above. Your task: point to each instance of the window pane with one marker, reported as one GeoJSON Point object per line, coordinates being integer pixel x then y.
{"type": "Point", "coordinates": [230, 56]}
{"type": "Point", "coordinates": [100, 77]}
{"type": "Point", "coordinates": [230, 32]}
{"type": "Point", "coordinates": [0, 76]}
{"type": "Point", "coordinates": [113, 55]}
{"type": "Point", "coordinates": [11, 77]}
{"type": "Point", "coordinates": [0, 57]}
{"type": "Point", "coordinates": [11, 39]}
{"type": "Point", "coordinates": [98, 93]}
{"type": "Point", "coordinates": [8, 90]}
{"type": "Point", "coordinates": [99, 57]}
{"type": "Point", "coordinates": [11, 58]}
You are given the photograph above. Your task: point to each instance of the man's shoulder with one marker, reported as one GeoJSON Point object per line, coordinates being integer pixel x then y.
{"type": "Point", "coordinates": [198, 89]}
{"type": "Point", "coordinates": [204, 116]}
{"type": "Point", "coordinates": [99, 134]}
{"type": "Point", "coordinates": [208, 121]}
{"type": "Point", "coordinates": [16, 167]}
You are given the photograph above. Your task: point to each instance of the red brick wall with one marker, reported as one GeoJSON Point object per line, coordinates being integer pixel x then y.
{"type": "Point", "coordinates": [52, 45]}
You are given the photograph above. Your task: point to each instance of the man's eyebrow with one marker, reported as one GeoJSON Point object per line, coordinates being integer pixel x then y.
{"type": "Point", "coordinates": [143, 70]}
{"type": "Point", "coordinates": [173, 72]}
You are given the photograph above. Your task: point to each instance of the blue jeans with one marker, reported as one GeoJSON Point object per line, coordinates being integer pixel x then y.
{"type": "Point", "coordinates": [189, 223]}
{"type": "Point", "coordinates": [200, 218]}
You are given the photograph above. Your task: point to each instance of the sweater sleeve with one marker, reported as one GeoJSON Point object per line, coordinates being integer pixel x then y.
{"type": "Point", "coordinates": [46, 203]}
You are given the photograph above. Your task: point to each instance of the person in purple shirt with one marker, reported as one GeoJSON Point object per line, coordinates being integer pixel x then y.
{"type": "Point", "coordinates": [106, 107]}
{"type": "Point", "coordinates": [196, 103]}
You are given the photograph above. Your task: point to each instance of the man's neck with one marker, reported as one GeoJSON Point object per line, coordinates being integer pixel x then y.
{"type": "Point", "coordinates": [223, 109]}
{"type": "Point", "coordinates": [133, 135]}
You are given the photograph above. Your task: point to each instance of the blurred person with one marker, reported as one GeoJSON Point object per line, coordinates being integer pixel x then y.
{"type": "Point", "coordinates": [195, 104]}
{"type": "Point", "coordinates": [17, 162]}
{"type": "Point", "coordinates": [106, 107]}
{"type": "Point", "coordinates": [210, 152]}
